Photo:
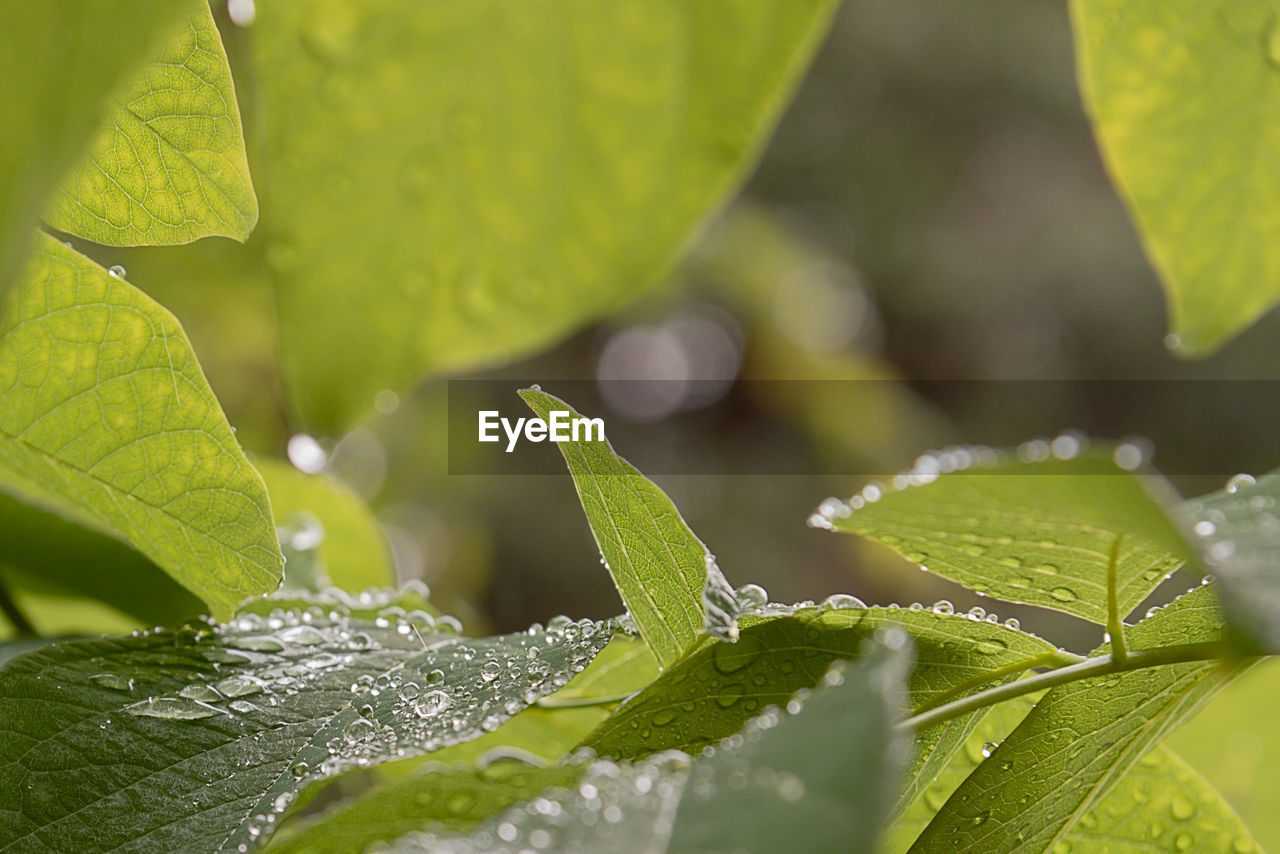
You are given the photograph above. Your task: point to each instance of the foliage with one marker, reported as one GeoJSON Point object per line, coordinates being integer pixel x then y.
{"type": "Point", "coordinates": [318, 708]}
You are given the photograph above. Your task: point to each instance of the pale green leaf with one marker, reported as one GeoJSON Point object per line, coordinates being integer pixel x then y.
{"type": "Point", "coordinates": [1184, 97]}
{"type": "Point", "coordinates": [106, 418]}
{"type": "Point", "coordinates": [660, 567]}
{"type": "Point", "coordinates": [326, 526]}
{"type": "Point", "coordinates": [168, 163]}
{"type": "Point", "coordinates": [60, 64]}
{"type": "Point", "coordinates": [482, 178]}
{"type": "Point", "coordinates": [1238, 535]}
{"type": "Point", "coordinates": [198, 740]}
{"type": "Point", "coordinates": [1041, 533]}
{"type": "Point", "coordinates": [1079, 740]}
{"type": "Point", "coordinates": [47, 555]}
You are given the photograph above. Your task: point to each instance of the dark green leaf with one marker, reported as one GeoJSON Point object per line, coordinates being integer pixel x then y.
{"type": "Point", "coordinates": [198, 740]}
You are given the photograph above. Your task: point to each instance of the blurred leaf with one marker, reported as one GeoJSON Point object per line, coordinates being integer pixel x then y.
{"type": "Point", "coordinates": [1183, 97]}
{"type": "Point", "coordinates": [105, 417]}
{"type": "Point", "coordinates": [520, 170]}
{"type": "Point", "coordinates": [1237, 532]}
{"type": "Point", "coordinates": [60, 66]}
{"type": "Point", "coordinates": [168, 164]}
{"type": "Point", "coordinates": [330, 524]}
{"type": "Point", "coordinates": [661, 569]}
{"type": "Point", "coordinates": [714, 691]}
{"type": "Point", "coordinates": [624, 666]}
{"type": "Point", "coordinates": [1040, 533]}
{"type": "Point", "coordinates": [1079, 740]}
{"type": "Point", "coordinates": [50, 555]}
{"type": "Point", "coordinates": [1233, 743]}
{"type": "Point", "coordinates": [188, 741]}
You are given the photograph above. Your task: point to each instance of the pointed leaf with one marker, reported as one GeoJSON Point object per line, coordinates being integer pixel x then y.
{"type": "Point", "coordinates": [106, 418]}
{"type": "Point", "coordinates": [1039, 533]}
{"type": "Point", "coordinates": [1184, 96]}
{"type": "Point", "coordinates": [661, 569]}
{"type": "Point", "coordinates": [198, 740]}
{"type": "Point", "coordinates": [555, 158]}
{"type": "Point", "coordinates": [59, 69]}
{"type": "Point", "coordinates": [168, 164]}
{"type": "Point", "coordinates": [1079, 740]}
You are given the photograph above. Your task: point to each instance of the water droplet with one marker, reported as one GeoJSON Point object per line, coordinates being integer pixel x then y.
{"type": "Point", "coordinates": [490, 671]}
{"type": "Point", "coordinates": [306, 454]}
{"type": "Point", "coordinates": [386, 401]}
{"type": "Point", "coordinates": [842, 602]}
{"type": "Point", "coordinates": [172, 708]}
{"type": "Point", "coordinates": [114, 681]}
{"type": "Point", "coordinates": [1182, 808]}
{"type": "Point", "coordinates": [1241, 481]}
{"type": "Point", "coordinates": [1173, 341]}
{"type": "Point", "coordinates": [751, 596]}
{"type": "Point", "coordinates": [989, 748]}
{"type": "Point", "coordinates": [303, 636]}
{"type": "Point", "coordinates": [1205, 528]}
{"type": "Point", "coordinates": [942, 606]}
{"type": "Point", "coordinates": [241, 12]}
{"type": "Point", "coordinates": [116, 271]}
{"type": "Point", "coordinates": [299, 770]}
{"type": "Point", "coordinates": [1063, 594]}
{"type": "Point", "coordinates": [1128, 456]}
{"type": "Point", "coordinates": [431, 703]}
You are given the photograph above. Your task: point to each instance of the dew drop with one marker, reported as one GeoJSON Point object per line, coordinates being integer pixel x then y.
{"type": "Point", "coordinates": [306, 454]}
{"type": "Point", "coordinates": [1241, 481]}
{"type": "Point", "coordinates": [172, 708]}
{"type": "Point", "coordinates": [842, 602]}
{"type": "Point", "coordinates": [1063, 594]}
{"type": "Point", "coordinates": [116, 271]}
{"type": "Point", "coordinates": [241, 12]}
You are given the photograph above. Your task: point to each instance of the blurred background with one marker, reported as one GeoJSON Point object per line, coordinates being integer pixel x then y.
{"type": "Point", "coordinates": [932, 207]}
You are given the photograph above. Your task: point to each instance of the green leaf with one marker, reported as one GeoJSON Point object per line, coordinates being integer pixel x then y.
{"type": "Point", "coordinates": [59, 70]}
{"type": "Point", "coordinates": [198, 740]}
{"type": "Point", "coordinates": [168, 163]}
{"type": "Point", "coordinates": [1040, 533]}
{"type": "Point", "coordinates": [662, 570]}
{"type": "Point", "coordinates": [106, 418]}
{"type": "Point", "coordinates": [1079, 740]}
{"type": "Point", "coordinates": [326, 526]}
{"type": "Point", "coordinates": [521, 170]}
{"type": "Point", "coordinates": [1183, 95]}
{"type": "Point", "coordinates": [713, 692]}
{"type": "Point", "coordinates": [48, 554]}
{"type": "Point", "coordinates": [1238, 535]}
{"type": "Point", "coordinates": [817, 780]}
{"type": "Point", "coordinates": [1160, 804]}
{"type": "Point", "coordinates": [821, 782]}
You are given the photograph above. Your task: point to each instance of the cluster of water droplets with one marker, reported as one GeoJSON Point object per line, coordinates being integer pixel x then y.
{"type": "Point", "coordinates": [354, 690]}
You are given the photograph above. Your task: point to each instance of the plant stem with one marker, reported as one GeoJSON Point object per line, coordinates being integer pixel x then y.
{"type": "Point", "coordinates": [1102, 665]}
{"type": "Point", "coordinates": [1115, 625]}
{"type": "Point", "coordinates": [1057, 658]}
{"type": "Point", "coordinates": [21, 625]}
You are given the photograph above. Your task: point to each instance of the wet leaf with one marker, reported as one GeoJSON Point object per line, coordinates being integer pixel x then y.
{"type": "Point", "coordinates": [1183, 95]}
{"type": "Point", "coordinates": [198, 740]}
{"type": "Point", "coordinates": [1040, 533]}
{"type": "Point", "coordinates": [106, 418]}
{"type": "Point", "coordinates": [1079, 740]}
{"type": "Point", "coordinates": [168, 163]}
{"type": "Point", "coordinates": [666, 576]}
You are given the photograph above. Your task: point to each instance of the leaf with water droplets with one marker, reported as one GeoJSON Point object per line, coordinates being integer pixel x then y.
{"type": "Point", "coordinates": [60, 67]}
{"type": "Point", "coordinates": [665, 575]}
{"type": "Point", "coordinates": [1238, 533]}
{"type": "Point", "coordinates": [635, 121]}
{"type": "Point", "coordinates": [818, 779]}
{"type": "Point", "coordinates": [1183, 95]}
{"type": "Point", "coordinates": [107, 419]}
{"type": "Point", "coordinates": [168, 163]}
{"type": "Point", "coordinates": [198, 740]}
{"type": "Point", "coordinates": [1041, 533]}
{"type": "Point", "coordinates": [1080, 739]}
{"type": "Point", "coordinates": [327, 529]}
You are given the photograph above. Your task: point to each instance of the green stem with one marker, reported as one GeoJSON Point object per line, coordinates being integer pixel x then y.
{"type": "Point", "coordinates": [1115, 625]}
{"type": "Point", "coordinates": [21, 625]}
{"type": "Point", "coordinates": [1089, 668]}
{"type": "Point", "coordinates": [1057, 658]}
